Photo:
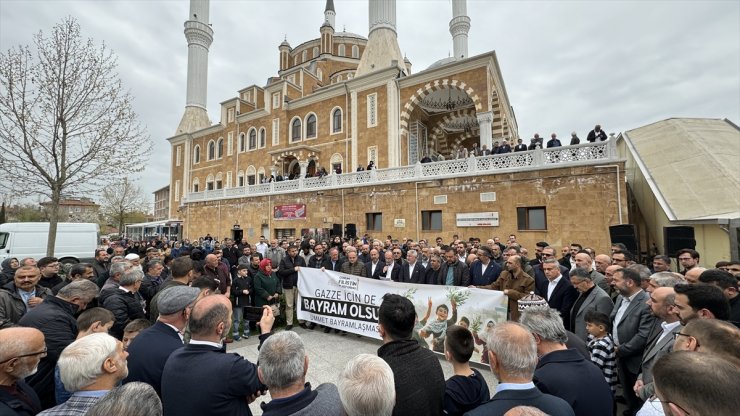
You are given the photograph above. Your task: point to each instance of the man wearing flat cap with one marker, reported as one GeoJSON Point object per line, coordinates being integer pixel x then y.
{"type": "Point", "coordinates": [149, 351]}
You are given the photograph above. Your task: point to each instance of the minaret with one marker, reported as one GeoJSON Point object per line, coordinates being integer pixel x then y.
{"type": "Point", "coordinates": [284, 55]}
{"type": "Point", "coordinates": [199, 36]}
{"type": "Point", "coordinates": [382, 42]}
{"type": "Point", "coordinates": [459, 27]}
{"type": "Point", "coordinates": [329, 13]}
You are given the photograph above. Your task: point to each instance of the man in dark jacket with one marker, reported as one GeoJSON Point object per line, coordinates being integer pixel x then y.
{"type": "Point", "coordinates": [55, 317]}
{"type": "Point", "coordinates": [420, 383]}
{"type": "Point", "coordinates": [150, 350]}
{"type": "Point", "coordinates": [514, 373]}
{"type": "Point", "coordinates": [49, 267]}
{"type": "Point", "coordinates": [288, 273]}
{"type": "Point", "coordinates": [20, 352]}
{"type": "Point", "coordinates": [283, 364]}
{"type": "Point", "coordinates": [453, 272]}
{"type": "Point", "coordinates": [124, 303]}
{"type": "Point", "coordinates": [21, 295]}
{"type": "Point", "coordinates": [319, 259]}
{"type": "Point", "coordinates": [201, 378]}
{"type": "Point", "coordinates": [214, 270]}
{"type": "Point", "coordinates": [589, 393]}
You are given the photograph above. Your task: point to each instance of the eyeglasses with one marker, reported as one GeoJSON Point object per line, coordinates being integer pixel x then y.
{"type": "Point", "coordinates": [43, 353]}
{"type": "Point", "coordinates": [656, 403]}
{"type": "Point", "coordinates": [681, 334]}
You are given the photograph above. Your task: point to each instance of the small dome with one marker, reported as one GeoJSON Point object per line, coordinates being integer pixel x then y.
{"type": "Point", "coordinates": [349, 35]}
{"type": "Point", "coordinates": [441, 62]}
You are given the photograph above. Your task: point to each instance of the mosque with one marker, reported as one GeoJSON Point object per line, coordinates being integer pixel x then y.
{"type": "Point", "coordinates": [346, 139]}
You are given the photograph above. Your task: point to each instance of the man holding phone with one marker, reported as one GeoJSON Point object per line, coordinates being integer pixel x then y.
{"type": "Point", "coordinates": [228, 380]}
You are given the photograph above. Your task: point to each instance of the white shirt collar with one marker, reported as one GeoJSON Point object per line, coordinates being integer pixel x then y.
{"type": "Point", "coordinates": [556, 280]}
{"type": "Point", "coordinates": [212, 344]}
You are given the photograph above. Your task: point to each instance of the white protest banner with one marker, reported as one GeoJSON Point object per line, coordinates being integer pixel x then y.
{"type": "Point", "coordinates": [351, 303]}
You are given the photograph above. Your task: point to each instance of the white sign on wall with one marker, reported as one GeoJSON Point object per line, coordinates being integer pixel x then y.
{"type": "Point", "coordinates": [399, 223]}
{"type": "Point", "coordinates": [477, 219]}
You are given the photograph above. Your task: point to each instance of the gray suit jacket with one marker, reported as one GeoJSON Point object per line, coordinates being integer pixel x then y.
{"type": "Point", "coordinates": [597, 300]}
{"type": "Point", "coordinates": [653, 352]}
{"type": "Point", "coordinates": [632, 331]}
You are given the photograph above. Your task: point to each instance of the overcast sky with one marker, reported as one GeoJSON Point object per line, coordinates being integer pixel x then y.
{"type": "Point", "coordinates": [567, 65]}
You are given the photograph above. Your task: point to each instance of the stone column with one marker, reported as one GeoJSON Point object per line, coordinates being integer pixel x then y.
{"type": "Point", "coordinates": [484, 124]}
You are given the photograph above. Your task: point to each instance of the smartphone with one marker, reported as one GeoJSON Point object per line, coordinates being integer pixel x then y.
{"type": "Point", "coordinates": [252, 313]}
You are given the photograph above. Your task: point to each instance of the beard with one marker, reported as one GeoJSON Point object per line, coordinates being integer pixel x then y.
{"type": "Point", "coordinates": [27, 372]}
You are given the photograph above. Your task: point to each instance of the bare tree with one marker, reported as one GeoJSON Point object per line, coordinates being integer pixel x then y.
{"type": "Point", "coordinates": [121, 200]}
{"type": "Point", "coordinates": [66, 123]}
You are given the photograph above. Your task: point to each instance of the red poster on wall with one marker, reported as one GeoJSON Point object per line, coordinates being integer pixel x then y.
{"type": "Point", "coordinates": [289, 212]}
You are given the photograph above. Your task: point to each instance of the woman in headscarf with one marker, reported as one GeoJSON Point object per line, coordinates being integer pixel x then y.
{"type": "Point", "coordinates": [9, 267]}
{"type": "Point", "coordinates": [267, 285]}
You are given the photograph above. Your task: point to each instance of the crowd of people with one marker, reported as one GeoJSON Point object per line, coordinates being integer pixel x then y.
{"type": "Point", "coordinates": [504, 146]}
{"type": "Point", "coordinates": [142, 330]}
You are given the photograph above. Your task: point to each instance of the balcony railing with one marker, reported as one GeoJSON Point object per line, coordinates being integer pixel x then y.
{"type": "Point", "coordinates": [583, 154]}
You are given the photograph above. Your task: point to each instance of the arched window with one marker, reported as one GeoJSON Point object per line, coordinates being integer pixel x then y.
{"type": "Point", "coordinates": [304, 56]}
{"type": "Point", "coordinates": [196, 185]}
{"type": "Point", "coordinates": [295, 130]}
{"type": "Point", "coordinates": [220, 148]}
{"type": "Point", "coordinates": [311, 126]}
{"type": "Point", "coordinates": [355, 51]}
{"type": "Point", "coordinates": [251, 175]}
{"type": "Point", "coordinates": [209, 183]}
{"type": "Point", "coordinates": [295, 60]}
{"type": "Point", "coordinates": [315, 51]}
{"type": "Point", "coordinates": [240, 179]}
{"type": "Point", "coordinates": [336, 161]}
{"type": "Point", "coordinates": [196, 154]}
{"type": "Point", "coordinates": [336, 120]}
{"type": "Point", "coordinates": [219, 181]}
{"type": "Point", "coordinates": [263, 138]}
{"type": "Point", "coordinates": [340, 50]}
{"type": "Point", "coordinates": [252, 138]}
{"type": "Point", "coordinates": [261, 175]}
{"type": "Point", "coordinates": [211, 150]}
{"type": "Point", "coordinates": [242, 143]}
{"type": "Point", "coordinates": [339, 78]}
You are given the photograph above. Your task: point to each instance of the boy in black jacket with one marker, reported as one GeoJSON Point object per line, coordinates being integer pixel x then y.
{"type": "Point", "coordinates": [467, 389]}
{"type": "Point", "coordinates": [242, 288]}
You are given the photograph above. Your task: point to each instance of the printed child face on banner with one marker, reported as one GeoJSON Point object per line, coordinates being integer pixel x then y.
{"type": "Point", "coordinates": [442, 312]}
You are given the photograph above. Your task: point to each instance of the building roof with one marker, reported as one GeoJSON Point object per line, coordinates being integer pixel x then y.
{"type": "Point", "coordinates": [691, 165]}
{"type": "Point", "coordinates": [73, 203]}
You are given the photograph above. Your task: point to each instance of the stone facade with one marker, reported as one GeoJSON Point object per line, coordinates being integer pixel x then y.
{"type": "Point", "coordinates": [580, 202]}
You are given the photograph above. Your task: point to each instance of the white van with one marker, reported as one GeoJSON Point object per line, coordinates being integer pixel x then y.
{"type": "Point", "coordinates": [74, 242]}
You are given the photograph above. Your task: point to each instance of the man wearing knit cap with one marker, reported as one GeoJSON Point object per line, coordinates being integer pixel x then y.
{"type": "Point", "coordinates": [150, 350]}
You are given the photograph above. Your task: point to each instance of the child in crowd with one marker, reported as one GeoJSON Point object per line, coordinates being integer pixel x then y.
{"type": "Point", "coordinates": [601, 346]}
{"type": "Point", "coordinates": [467, 389]}
{"type": "Point", "coordinates": [132, 329]}
{"type": "Point", "coordinates": [90, 321]}
{"type": "Point", "coordinates": [242, 288]}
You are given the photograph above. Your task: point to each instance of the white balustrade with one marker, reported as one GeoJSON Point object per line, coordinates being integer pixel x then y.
{"type": "Point", "coordinates": [583, 154]}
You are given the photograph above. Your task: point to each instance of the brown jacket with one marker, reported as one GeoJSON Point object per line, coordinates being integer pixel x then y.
{"type": "Point", "coordinates": [518, 285]}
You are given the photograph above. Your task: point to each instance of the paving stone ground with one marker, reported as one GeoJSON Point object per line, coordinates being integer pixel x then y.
{"type": "Point", "coordinates": [328, 354]}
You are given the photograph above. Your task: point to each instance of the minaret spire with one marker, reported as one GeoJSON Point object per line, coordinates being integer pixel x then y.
{"type": "Point", "coordinates": [329, 13]}
{"type": "Point", "coordinates": [199, 35]}
{"type": "Point", "coordinates": [459, 27]}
